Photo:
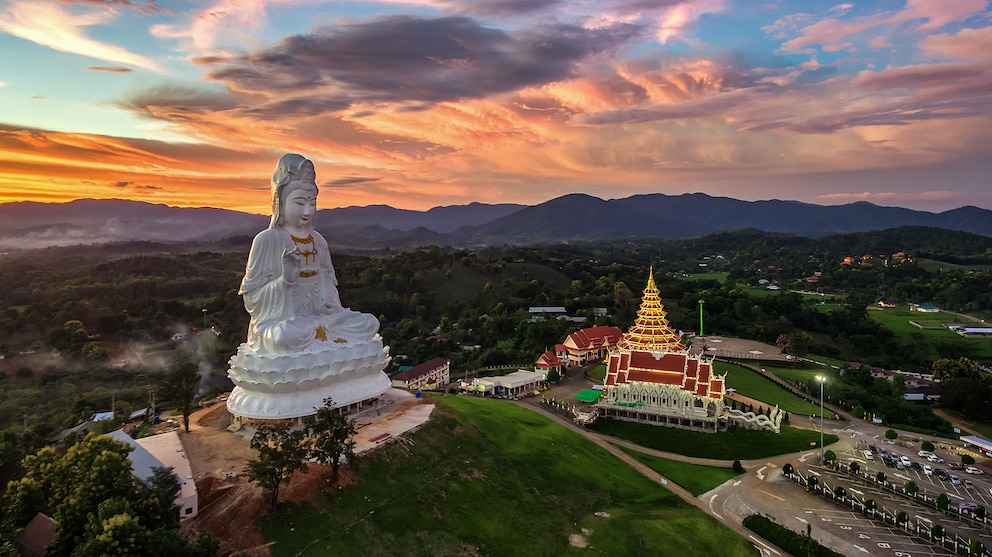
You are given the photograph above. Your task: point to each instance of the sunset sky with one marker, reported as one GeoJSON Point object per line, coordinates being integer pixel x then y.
{"type": "Point", "coordinates": [421, 103]}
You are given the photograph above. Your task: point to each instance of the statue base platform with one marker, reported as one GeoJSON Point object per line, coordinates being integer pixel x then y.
{"type": "Point", "coordinates": [286, 387]}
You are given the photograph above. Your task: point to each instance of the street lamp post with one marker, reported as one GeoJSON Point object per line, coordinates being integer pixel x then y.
{"type": "Point", "coordinates": [821, 380]}
{"type": "Point", "coordinates": [701, 333]}
{"type": "Point", "coordinates": [204, 320]}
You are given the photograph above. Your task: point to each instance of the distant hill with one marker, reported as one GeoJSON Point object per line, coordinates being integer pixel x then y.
{"type": "Point", "coordinates": [571, 217]}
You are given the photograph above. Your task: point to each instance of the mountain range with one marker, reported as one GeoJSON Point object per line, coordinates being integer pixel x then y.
{"type": "Point", "coordinates": [573, 217]}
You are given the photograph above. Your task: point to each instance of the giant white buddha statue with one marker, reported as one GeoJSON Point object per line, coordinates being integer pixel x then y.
{"type": "Point", "coordinates": [303, 346]}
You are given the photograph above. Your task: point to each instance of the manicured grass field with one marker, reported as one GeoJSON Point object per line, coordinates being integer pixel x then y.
{"type": "Point", "coordinates": [598, 374]}
{"type": "Point", "coordinates": [485, 477]}
{"type": "Point", "coordinates": [728, 445]}
{"type": "Point", "coordinates": [788, 372]}
{"type": "Point", "coordinates": [693, 477]}
{"type": "Point", "coordinates": [756, 386]}
{"type": "Point", "coordinates": [898, 321]}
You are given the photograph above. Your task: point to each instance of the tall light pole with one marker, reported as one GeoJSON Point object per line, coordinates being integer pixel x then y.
{"type": "Point", "coordinates": [701, 302]}
{"type": "Point", "coordinates": [821, 380]}
{"type": "Point", "coordinates": [204, 320]}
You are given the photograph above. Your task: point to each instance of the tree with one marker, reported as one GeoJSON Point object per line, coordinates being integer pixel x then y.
{"type": "Point", "coordinates": [902, 517]}
{"type": "Point", "coordinates": [911, 488]}
{"type": "Point", "coordinates": [553, 375]}
{"type": "Point", "coordinates": [927, 446]}
{"type": "Point", "coordinates": [947, 369]}
{"type": "Point", "coordinates": [859, 412]}
{"type": "Point", "coordinates": [829, 456]}
{"type": "Point", "coordinates": [788, 469]}
{"type": "Point", "coordinates": [738, 467]}
{"type": "Point", "coordinates": [799, 343]}
{"type": "Point", "coordinates": [880, 477]}
{"type": "Point", "coordinates": [943, 501]}
{"type": "Point", "coordinates": [891, 434]}
{"type": "Point", "coordinates": [855, 468]}
{"type": "Point", "coordinates": [99, 506]}
{"type": "Point", "coordinates": [330, 436]}
{"type": "Point", "coordinates": [938, 532]}
{"type": "Point", "coordinates": [967, 459]}
{"type": "Point", "coordinates": [281, 451]}
{"type": "Point", "coordinates": [181, 386]}
{"type": "Point", "coordinates": [839, 492]}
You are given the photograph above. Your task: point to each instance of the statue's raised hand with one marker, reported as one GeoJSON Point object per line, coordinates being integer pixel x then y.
{"type": "Point", "coordinates": [291, 265]}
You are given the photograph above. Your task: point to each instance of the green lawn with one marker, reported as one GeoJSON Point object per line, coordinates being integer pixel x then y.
{"type": "Point", "coordinates": [898, 321]}
{"type": "Point", "coordinates": [755, 385]}
{"type": "Point", "coordinates": [695, 478]}
{"type": "Point", "coordinates": [598, 374]}
{"type": "Point", "coordinates": [803, 372]}
{"type": "Point", "coordinates": [484, 477]}
{"type": "Point", "coordinates": [728, 445]}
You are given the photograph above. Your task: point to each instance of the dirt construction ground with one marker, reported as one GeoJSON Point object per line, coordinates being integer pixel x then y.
{"type": "Point", "coordinates": [229, 505]}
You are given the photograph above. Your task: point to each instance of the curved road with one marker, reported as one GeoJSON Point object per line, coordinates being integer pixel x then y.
{"type": "Point", "coordinates": [764, 490]}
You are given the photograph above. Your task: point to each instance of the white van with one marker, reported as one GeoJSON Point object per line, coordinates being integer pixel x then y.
{"type": "Point", "coordinates": [868, 455]}
{"type": "Point", "coordinates": [905, 461]}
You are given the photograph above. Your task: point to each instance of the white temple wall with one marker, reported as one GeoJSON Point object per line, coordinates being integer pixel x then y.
{"type": "Point", "coordinates": [665, 399]}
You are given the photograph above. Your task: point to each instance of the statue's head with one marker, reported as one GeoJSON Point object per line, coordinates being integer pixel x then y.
{"type": "Point", "coordinates": [292, 172]}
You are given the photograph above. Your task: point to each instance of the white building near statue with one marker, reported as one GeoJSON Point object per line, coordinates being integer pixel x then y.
{"type": "Point", "coordinates": [163, 451]}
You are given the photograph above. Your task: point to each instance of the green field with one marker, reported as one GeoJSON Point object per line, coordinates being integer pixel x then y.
{"type": "Point", "coordinates": [788, 372]}
{"type": "Point", "coordinates": [694, 478]}
{"type": "Point", "coordinates": [756, 386]}
{"type": "Point", "coordinates": [729, 445]}
{"type": "Point", "coordinates": [898, 320]}
{"type": "Point", "coordinates": [484, 477]}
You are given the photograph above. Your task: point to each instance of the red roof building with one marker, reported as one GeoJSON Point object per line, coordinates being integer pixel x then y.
{"type": "Point", "coordinates": [652, 377]}
{"type": "Point", "coordinates": [431, 375]}
{"type": "Point", "coordinates": [548, 361]}
{"type": "Point", "coordinates": [590, 344]}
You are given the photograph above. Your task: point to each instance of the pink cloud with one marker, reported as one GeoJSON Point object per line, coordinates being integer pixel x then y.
{"type": "Point", "coordinates": [967, 43]}
{"type": "Point", "coordinates": [834, 33]}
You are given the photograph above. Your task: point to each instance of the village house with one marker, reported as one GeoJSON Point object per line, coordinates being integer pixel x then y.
{"type": "Point", "coordinates": [431, 375]}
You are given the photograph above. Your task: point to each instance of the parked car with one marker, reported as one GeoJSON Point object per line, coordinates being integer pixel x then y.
{"type": "Point", "coordinates": [955, 480]}
{"type": "Point", "coordinates": [974, 470]}
{"type": "Point", "coordinates": [925, 454]}
{"type": "Point", "coordinates": [935, 458]}
{"type": "Point", "coordinates": [916, 466]}
{"type": "Point", "coordinates": [957, 467]}
{"type": "Point", "coordinates": [942, 475]}
{"type": "Point", "coordinates": [868, 455]}
{"type": "Point", "coordinates": [927, 469]}
{"type": "Point", "coordinates": [968, 507]}
{"type": "Point", "coordinates": [905, 461]}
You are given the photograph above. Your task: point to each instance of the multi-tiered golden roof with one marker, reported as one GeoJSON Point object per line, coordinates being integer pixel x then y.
{"type": "Point", "coordinates": [651, 331]}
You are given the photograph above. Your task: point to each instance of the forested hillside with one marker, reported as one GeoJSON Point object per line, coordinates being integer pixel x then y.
{"type": "Point", "coordinates": [81, 327]}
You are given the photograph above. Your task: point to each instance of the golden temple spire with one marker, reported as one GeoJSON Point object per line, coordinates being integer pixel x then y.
{"type": "Point", "coordinates": [651, 330]}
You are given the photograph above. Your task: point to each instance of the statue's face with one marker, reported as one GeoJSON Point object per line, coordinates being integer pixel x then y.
{"type": "Point", "coordinates": [299, 206]}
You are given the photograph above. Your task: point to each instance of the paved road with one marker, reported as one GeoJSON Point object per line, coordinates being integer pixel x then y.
{"type": "Point", "coordinates": [764, 490]}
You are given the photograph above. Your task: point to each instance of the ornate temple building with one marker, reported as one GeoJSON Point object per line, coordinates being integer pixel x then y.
{"type": "Point", "coordinates": [590, 344]}
{"type": "Point", "coordinates": [652, 378]}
